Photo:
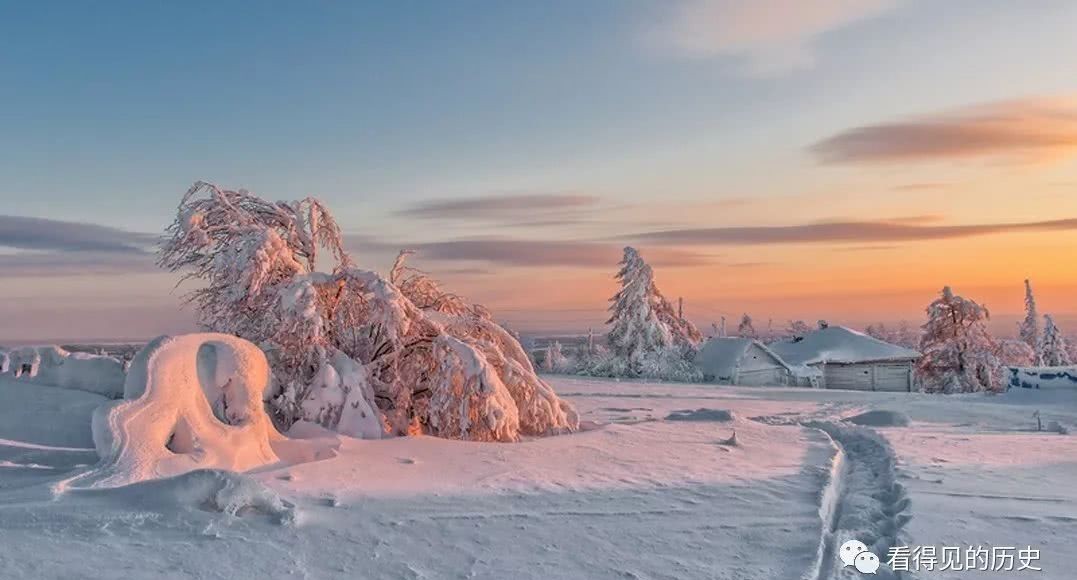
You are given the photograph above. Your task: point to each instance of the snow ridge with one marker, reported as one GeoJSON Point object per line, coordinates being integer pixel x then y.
{"type": "Point", "coordinates": [829, 512]}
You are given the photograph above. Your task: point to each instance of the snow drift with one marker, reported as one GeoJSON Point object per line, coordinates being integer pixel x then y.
{"type": "Point", "coordinates": [56, 367]}
{"type": "Point", "coordinates": [190, 402]}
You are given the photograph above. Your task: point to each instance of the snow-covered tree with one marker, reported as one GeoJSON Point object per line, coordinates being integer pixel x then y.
{"type": "Point", "coordinates": [642, 321]}
{"type": "Point", "coordinates": [555, 360]}
{"type": "Point", "coordinates": [669, 364]}
{"type": "Point", "coordinates": [635, 327]}
{"type": "Point", "coordinates": [797, 328]}
{"type": "Point", "coordinates": [746, 328]}
{"type": "Point", "coordinates": [959, 354]}
{"type": "Point", "coordinates": [349, 339]}
{"type": "Point", "coordinates": [904, 335]}
{"type": "Point", "coordinates": [1015, 353]}
{"type": "Point", "coordinates": [878, 330]}
{"type": "Point", "coordinates": [1030, 326]}
{"type": "Point", "coordinates": [1054, 352]}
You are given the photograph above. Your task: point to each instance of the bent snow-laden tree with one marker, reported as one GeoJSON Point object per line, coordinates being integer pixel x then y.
{"type": "Point", "coordinates": [646, 337]}
{"type": "Point", "coordinates": [959, 354]}
{"type": "Point", "coordinates": [350, 349]}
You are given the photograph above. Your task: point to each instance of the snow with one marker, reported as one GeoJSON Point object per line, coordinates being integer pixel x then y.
{"type": "Point", "coordinates": [721, 355]}
{"type": "Point", "coordinates": [54, 366]}
{"type": "Point", "coordinates": [178, 415]}
{"type": "Point", "coordinates": [838, 344]}
{"type": "Point", "coordinates": [703, 414]}
{"type": "Point", "coordinates": [632, 495]}
{"type": "Point", "coordinates": [880, 418]}
{"type": "Point", "coordinates": [1042, 377]}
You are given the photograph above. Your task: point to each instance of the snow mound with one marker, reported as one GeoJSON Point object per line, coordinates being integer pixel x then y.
{"type": "Point", "coordinates": [56, 367]}
{"type": "Point", "coordinates": [880, 418]}
{"type": "Point", "coordinates": [190, 402]}
{"type": "Point", "coordinates": [210, 490]}
{"type": "Point", "coordinates": [716, 415]}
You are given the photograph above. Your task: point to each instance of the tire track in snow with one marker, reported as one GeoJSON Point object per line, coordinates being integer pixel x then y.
{"type": "Point", "coordinates": [861, 500]}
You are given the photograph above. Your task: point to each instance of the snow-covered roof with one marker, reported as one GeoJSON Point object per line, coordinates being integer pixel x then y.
{"type": "Point", "coordinates": [720, 355]}
{"type": "Point", "coordinates": [838, 344]}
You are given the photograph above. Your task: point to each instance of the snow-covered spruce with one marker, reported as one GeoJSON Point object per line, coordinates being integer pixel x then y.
{"type": "Point", "coordinates": [350, 349]}
{"type": "Point", "coordinates": [1029, 330]}
{"type": "Point", "coordinates": [647, 338]}
{"type": "Point", "coordinates": [959, 354]}
{"type": "Point", "coordinates": [1054, 352]}
{"type": "Point", "coordinates": [190, 402]}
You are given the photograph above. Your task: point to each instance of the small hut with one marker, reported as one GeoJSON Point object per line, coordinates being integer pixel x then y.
{"type": "Point", "coordinates": [742, 361]}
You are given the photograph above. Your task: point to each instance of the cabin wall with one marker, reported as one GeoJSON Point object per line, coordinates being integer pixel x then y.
{"type": "Point", "coordinates": [765, 377]}
{"type": "Point", "coordinates": [759, 368]}
{"type": "Point", "coordinates": [880, 376]}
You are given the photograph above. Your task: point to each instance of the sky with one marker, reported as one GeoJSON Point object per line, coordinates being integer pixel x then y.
{"type": "Point", "coordinates": [793, 159]}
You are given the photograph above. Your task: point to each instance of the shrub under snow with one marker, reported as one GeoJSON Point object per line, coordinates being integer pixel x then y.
{"type": "Point", "coordinates": [350, 349]}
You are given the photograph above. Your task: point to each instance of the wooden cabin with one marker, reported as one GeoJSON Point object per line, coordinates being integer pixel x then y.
{"type": "Point", "coordinates": [846, 359]}
{"type": "Point", "coordinates": [742, 361]}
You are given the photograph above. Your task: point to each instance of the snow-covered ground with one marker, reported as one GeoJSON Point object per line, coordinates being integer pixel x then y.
{"type": "Point", "coordinates": [655, 487]}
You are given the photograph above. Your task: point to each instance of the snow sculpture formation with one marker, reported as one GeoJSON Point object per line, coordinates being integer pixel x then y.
{"type": "Point", "coordinates": [190, 402]}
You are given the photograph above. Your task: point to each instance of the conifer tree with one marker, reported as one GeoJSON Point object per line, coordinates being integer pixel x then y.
{"type": "Point", "coordinates": [1053, 352]}
{"type": "Point", "coordinates": [1030, 326]}
{"type": "Point", "coordinates": [642, 322]}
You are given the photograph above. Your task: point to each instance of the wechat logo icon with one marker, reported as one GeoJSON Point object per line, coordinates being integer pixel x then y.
{"type": "Point", "coordinates": [855, 553]}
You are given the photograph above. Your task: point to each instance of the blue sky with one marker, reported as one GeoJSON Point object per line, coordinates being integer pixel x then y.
{"type": "Point", "coordinates": [651, 109]}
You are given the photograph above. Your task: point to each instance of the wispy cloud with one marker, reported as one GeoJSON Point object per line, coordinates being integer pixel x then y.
{"type": "Point", "coordinates": [864, 231]}
{"type": "Point", "coordinates": [45, 247]}
{"type": "Point", "coordinates": [499, 206]}
{"type": "Point", "coordinates": [32, 233]}
{"type": "Point", "coordinates": [43, 264]}
{"type": "Point", "coordinates": [530, 253]}
{"type": "Point", "coordinates": [1026, 130]}
{"type": "Point", "coordinates": [772, 37]}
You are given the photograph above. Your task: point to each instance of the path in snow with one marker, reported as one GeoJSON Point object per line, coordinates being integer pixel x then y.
{"type": "Point", "coordinates": [862, 501]}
